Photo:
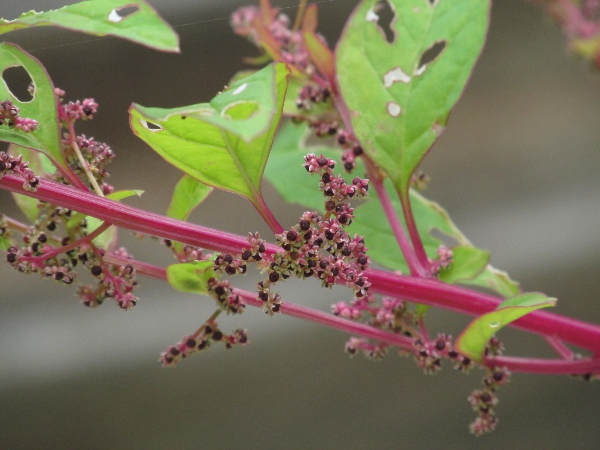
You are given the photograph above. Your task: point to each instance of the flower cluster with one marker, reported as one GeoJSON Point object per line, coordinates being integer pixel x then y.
{"type": "Point", "coordinates": [15, 165]}
{"type": "Point", "coordinates": [226, 298]}
{"type": "Point", "coordinates": [9, 115]}
{"type": "Point", "coordinates": [273, 30]}
{"type": "Point", "coordinates": [113, 282]}
{"type": "Point", "coordinates": [202, 339]}
{"type": "Point", "coordinates": [71, 111]}
{"type": "Point", "coordinates": [442, 262]}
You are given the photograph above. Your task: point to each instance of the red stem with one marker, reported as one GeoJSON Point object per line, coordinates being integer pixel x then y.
{"type": "Point", "coordinates": [530, 365]}
{"type": "Point", "coordinates": [428, 291]}
{"type": "Point", "coordinates": [414, 264]}
{"type": "Point", "coordinates": [413, 232]}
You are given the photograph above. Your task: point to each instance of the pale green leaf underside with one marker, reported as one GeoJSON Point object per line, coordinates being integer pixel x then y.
{"type": "Point", "coordinates": [188, 194]}
{"type": "Point", "coordinates": [42, 107]}
{"type": "Point", "coordinates": [473, 340]}
{"type": "Point", "coordinates": [101, 18]}
{"type": "Point", "coordinates": [191, 276]}
{"type": "Point", "coordinates": [397, 107]}
{"type": "Point", "coordinates": [224, 143]}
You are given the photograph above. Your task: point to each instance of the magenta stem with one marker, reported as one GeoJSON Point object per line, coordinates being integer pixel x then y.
{"type": "Point", "coordinates": [413, 232]}
{"type": "Point", "coordinates": [420, 290]}
{"type": "Point", "coordinates": [415, 266]}
{"type": "Point", "coordinates": [267, 215]}
{"type": "Point", "coordinates": [531, 365]}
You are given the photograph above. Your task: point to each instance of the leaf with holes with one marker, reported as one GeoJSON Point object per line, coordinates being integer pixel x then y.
{"type": "Point", "coordinates": [224, 143]}
{"type": "Point", "coordinates": [400, 76]}
{"type": "Point", "coordinates": [41, 165]}
{"type": "Point", "coordinates": [134, 21]}
{"type": "Point", "coordinates": [41, 106]}
{"type": "Point", "coordinates": [191, 276]}
{"type": "Point", "coordinates": [473, 340]}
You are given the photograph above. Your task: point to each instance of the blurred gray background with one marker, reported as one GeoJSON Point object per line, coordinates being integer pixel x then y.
{"type": "Point", "coordinates": [517, 168]}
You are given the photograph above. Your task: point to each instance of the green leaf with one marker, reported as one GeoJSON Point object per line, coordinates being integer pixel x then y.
{"type": "Point", "coordinates": [224, 143]}
{"type": "Point", "coordinates": [430, 217]}
{"type": "Point", "coordinates": [467, 264]}
{"type": "Point", "coordinates": [188, 194]}
{"type": "Point", "coordinates": [108, 239]}
{"type": "Point", "coordinates": [473, 340]}
{"type": "Point", "coordinates": [498, 281]}
{"type": "Point", "coordinates": [135, 21]}
{"type": "Point", "coordinates": [398, 102]}
{"type": "Point", "coordinates": [42, 107]}
{"type": "Point", "coordinates": [41, 166]}
{"type": "Point", "coordinates": [191, 276]}
{"type": "Point", "coordinates": [6, 243]}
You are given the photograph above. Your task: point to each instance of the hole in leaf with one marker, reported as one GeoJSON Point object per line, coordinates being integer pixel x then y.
{"type": "Point", "coordinates": [150, 126]}
{"type": "Point", "coordinates": [19, 83]}
{"type": "Point", "coordinates": [432, 2]}
{"type": "Point", "coordinates": [430, 55]}
{"type": "Point", "coordinates": [241, 110]}
{"type": "Point", "coordinates": [394, 75]}
{"type": "Point", "coordinates": [384, 16]}
{"type": "Point", "coordinates": [118, 14]}
{"type": "Point", "coordinates": [240, 89]}
{"type": "Point", "coordinates": [394, 109]}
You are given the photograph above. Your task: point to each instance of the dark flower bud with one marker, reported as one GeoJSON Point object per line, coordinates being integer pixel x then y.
{"type": "Point", "coordinates": [273, 277]}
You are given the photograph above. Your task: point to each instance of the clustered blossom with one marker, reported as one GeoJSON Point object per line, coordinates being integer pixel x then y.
{"type": "Point", "coordinates": [316, 246]}
{"type": "Point", "coordinates": [114, 282]}
{"type": "Point", "coordinates": [226, 298]}
{"type": "Point", "coordinates": [442, 262]}
{"type": "Point", "coordinates": [248, 20]}
{"type": "Point", "coordinates": [369, 350]}
{"type": "Point", "coordinates": [9, 115]}
{"type": "Point", "coordinates": [79, 109]}
{"type": "Point", "coordinates": [58, 240]}
{"type": "Point", "coordinates": [207, 335]}
{"type": "Point", "coordinates": [15, 165]}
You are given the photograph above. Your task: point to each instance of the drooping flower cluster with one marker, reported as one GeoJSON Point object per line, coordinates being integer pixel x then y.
{"type": "Point", "coordinates": [202, 339]}
{"type": "Point", "coordinates": [58, 240]}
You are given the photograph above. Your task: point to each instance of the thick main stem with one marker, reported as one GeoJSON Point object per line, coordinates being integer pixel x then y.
{"type": "Point", "coordinates": [428, 291]}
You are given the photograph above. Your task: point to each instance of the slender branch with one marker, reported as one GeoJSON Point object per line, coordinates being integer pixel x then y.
{"type": "Point", "coordinates": [411, 226]}
{"type": "Point", "coordinates": [420, 290]}
{"type": "Point", "coordinates": [547, 366]}
{"type": "Point", "coordinates": [414, 265]}
{"type": "Point", "coordinates": [560, 348]}
{"type": "Point", "coordinates": [82, 161]}
{"type": "Point", "coordinates": [267, 215]}
{"type": "Point", "coordinates": [530, 365]}
{"type": "Point", "coordinates": [57, 251]}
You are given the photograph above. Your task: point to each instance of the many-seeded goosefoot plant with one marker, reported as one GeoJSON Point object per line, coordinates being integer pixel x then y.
{"type": "Point", "coordinates": [378, 101]}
